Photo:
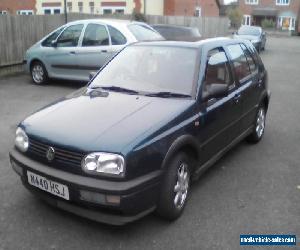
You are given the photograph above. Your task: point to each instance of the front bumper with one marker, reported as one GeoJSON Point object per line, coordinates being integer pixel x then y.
{"type": "Point", "coordinates": [138, 197]}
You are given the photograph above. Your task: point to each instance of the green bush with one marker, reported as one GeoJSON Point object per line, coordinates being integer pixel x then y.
{"type": "Point", "coordinates": [235, 16]}
{"type": "Point", "coordinates": [268, 23]}
{"type": "Point", "coordinates": [136, 16]}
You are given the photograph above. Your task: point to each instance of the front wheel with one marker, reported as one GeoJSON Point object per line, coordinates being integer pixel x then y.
{"type": "Point", "coordinates": [38, 73]}
{"type": "Point", "coordinates": [175, 187]}
{"type": "Point", "coordinates": [259, 126]}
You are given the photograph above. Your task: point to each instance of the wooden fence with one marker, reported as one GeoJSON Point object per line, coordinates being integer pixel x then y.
{"type": "Point", "coordinates": [18, 33]}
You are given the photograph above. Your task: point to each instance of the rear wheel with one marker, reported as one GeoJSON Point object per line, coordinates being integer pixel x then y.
{"type": "Point", "coordinates": [175, 187]}
{"type": "Point", "coordinates": [38, 73]}
{"type": "Point", "coordinates": [259, 126]}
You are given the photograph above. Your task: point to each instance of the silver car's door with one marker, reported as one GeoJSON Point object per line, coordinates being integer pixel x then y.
{"type": "Point", "coordinates": [61, 58]}
{"type": "Point", "coordinates": [95, 49]}
{"type": "Point", "coordinates": [118, 40]}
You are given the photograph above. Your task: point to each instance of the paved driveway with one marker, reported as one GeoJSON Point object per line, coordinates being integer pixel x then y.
{"type": "Point", "coordinates": [254, 189]}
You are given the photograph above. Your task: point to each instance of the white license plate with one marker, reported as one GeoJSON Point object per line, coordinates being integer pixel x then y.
{"type": "Point", "coordinates": [48, 185]}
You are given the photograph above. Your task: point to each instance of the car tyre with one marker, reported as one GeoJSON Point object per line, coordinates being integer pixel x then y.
{"type": "Point", "coordinates": [39, 73]}
{"type": "Point", "coordinates": [259, 125]}
{"type": "Point", "coordinates": [175, 187]}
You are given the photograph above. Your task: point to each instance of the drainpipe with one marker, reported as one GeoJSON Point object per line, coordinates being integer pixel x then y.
{"type": "Point", "coordinates": [65, 10]}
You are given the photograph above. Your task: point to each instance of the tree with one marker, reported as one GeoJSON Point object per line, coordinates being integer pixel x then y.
{"type": "Point", "coordinates": [235, 16]}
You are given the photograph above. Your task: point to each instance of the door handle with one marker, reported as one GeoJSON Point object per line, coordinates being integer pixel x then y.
{"type": "Point", "coordinates": [237, 98]}
{"type": "Point", "coordinates": [72, 52]}
{"type": "Point", "coordinates": [104, 51]}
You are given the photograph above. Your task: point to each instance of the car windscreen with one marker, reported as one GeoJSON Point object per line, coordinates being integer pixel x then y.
{"type": "Point", "coordinates": [151, 69]}
{"type": "Point", "coordinates": [248, 30]}
{"type": "Point", "coordinates": [144, 33]}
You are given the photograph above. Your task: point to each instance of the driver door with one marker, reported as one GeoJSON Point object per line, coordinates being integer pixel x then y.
{"type": "Point", "coordinates": [220, 118]}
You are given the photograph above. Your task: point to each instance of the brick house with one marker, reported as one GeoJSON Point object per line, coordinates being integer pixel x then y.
{"type": "Point", "coordinates": [284, 13]}
{"type": "Point", "coordinates": [209, 8]}
{"type": "Point", "coordinates": [24, 7]}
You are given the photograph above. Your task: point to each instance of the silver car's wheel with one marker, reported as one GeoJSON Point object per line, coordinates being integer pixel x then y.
{"type": "Point", "coordinates": [181, 186]}
{"type": "Point", "coordinates": [38, 73]}
{"type": "Point", "coordinates": [260, 122]}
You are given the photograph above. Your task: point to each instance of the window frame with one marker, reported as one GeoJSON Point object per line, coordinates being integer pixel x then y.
{"type": "Point", "coordinates": [252, 2]}
{"type": "Point", "coordinates": [233, 85]}
{"type": "Point", "coordinates": [80, 43]}
{"type": "Point", "coordinates": [110, 37]}
{"type": "Point", "coordinates": [237, 81]}
{"type": "Point", "coordinates": [282, 2]}
{"type": "Point", "coordinates": [79, 39]}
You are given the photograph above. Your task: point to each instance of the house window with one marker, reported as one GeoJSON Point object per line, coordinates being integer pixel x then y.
{"type": "Point", "coordinates": [47, 11]}
{"type": "Point", "coordinates": [107, 11]}
{"type": "Point", "coordinates": [24, 12]}
{"type": "Point", "coordinates": [3, 12]}
{"type": "Point", "coordinates": [247, 20]}
{"type": "Point", "coordinates": [69, 5]}
{"type": "Point", "coordinates": [119, 11]}
{"type": "Point", "coordinates": [252, 1]}
{"type": "Point", "coordinates": [80, 7]}
{"type": "Point", "coordinates": [286, 23]}
{"type": "Point", "coordinates": [198, 12]}
{"type": "Point", "coordinates": [92, 7]}
{"type": "Point", "coordinates": [282, 2]}
{"type": "Point", "coordinates": [56, 11]}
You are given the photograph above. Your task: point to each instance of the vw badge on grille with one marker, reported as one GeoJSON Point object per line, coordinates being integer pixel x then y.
{"type": "Point", "coordinates": [50, 154]}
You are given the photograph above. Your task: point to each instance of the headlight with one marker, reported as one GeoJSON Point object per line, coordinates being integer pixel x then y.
{"type": "Point", "coordinates": [21, 141]}
{"type": "Point", "coordinates": [104, 163]}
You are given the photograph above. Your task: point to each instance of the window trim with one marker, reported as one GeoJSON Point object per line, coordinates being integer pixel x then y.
{"type": "Point", "coordinates": [232, 86]}
{"type": "Point", "coordinates": [281, 2]}
{"type": "Point", "coordinates": [80, 37]}
{"type": "Point", "coordinates": [252, 2]}
{"type": "Point", "coordinates": [238, 82]}
{"type": "Point", "coordinates": [83, 33]}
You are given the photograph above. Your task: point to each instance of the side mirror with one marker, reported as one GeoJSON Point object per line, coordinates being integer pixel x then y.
{"type": "Point", "coordinates": [54, 43]}
{"type": "Point", "coordinates": [215, 90]}
{"type": "Point", "coordinates": [91, 75]}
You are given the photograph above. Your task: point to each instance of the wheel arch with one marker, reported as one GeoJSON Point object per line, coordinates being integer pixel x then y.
{"type": "Point", "coordinates": [185, 143]}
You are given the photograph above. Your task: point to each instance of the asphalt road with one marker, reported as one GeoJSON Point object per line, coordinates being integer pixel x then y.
{"type": "Point", "coordinates": [254, 189]}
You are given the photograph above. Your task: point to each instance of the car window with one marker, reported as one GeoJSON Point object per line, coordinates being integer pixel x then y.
{"type": "Point", "coordinates": [151, 69]}
{"type": "Point", "coordinates": [116, 36]}
{"type": "Point", "coordinates": [95, 35]}
{"type": "Point", "coordinates": [250, 58]}
{"type": "Point", "coordinates": [144, 33]}
{"type": "Point", "coordinates": [52, 37]}
{"type": "Point", "coordinates": [240, 63]}
{"type": "Point", "coordinates": [70, 36]}
{"type": "Point", "coordinates": [217, 69]}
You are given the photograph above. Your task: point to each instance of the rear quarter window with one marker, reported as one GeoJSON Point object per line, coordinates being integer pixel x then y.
{"type": "Point", "coordinates": [144, 33]}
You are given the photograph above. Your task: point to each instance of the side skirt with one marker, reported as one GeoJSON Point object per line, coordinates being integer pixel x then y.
{"type": "Point", "coordinates": [201, 169]}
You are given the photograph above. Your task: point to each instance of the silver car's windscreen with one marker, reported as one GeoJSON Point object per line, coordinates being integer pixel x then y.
{"type": "Point", "coordinates": [151, 69]}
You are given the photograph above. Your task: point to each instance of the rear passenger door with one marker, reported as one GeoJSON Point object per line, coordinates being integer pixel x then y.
{"type": "Point", "coordinates": [95, 49]}
{"type": "Point", "coordinates": [246, 72]}
{"type": "Point", "coordinates": [220, 117]}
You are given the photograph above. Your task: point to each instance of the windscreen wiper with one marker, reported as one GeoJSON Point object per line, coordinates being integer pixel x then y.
{"type": "Point", "coordinates": [117, 89]}
{"type": "Point", "coordinates": [167, 95]}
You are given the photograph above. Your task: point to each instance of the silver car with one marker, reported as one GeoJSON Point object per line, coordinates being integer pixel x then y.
{"type": "Point", "coordinates": [74, 50]}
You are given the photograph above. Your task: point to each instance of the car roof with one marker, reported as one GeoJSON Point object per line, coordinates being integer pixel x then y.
{"type": "Point", "coordinates": [217, 41]}
{"type": "Point", "coordinates": [106, 21]}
